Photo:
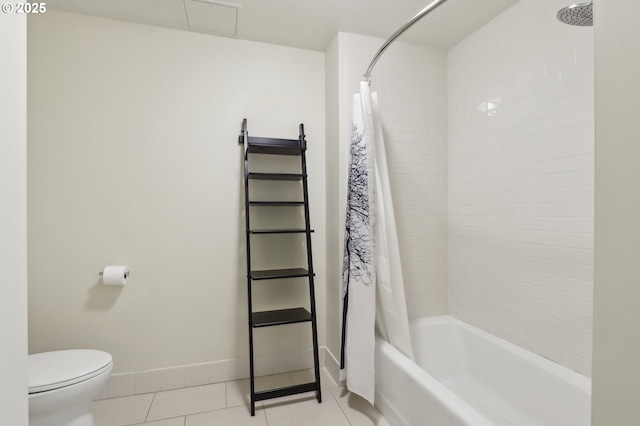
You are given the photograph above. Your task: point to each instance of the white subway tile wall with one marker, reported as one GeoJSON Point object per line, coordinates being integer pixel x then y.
{"type": "Point", "coordinates": [521, 182]}
{"type": "Point", "coordinates": [411, 84]}
{"type": "Point", "coordinates": [415, 122]}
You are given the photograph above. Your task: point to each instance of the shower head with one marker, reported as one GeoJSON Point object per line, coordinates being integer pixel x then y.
{"type": "Point", "coordinates": [580, 14]}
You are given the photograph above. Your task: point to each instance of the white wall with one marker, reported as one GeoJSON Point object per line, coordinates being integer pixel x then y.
{"type": "Point", "coordinates": [335, 181]}
{"type": "Point", "coordinates": [616, 345]}
{"type": "Point", "coordinates": [521, 169]}
{"type": "Point", "coordinates": [411, 82]}
{"type": "Point", "coordinates": [13, 223]}
{"type": "Point", "coordinates": [133, 159]}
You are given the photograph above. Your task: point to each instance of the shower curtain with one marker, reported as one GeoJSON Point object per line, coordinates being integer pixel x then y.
{"type": "Point", "coordinates": [373, 288]}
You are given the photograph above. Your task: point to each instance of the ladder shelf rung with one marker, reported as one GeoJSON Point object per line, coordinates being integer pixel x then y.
{"type": "Point", "coordinates": [279, 231]}
{"type": "Point", "coordinates": [275, 203]}
{"type": "Point", "coordinates": [284, 391]}
{"type": "Point", "coordinates": [275, 176]}
{"type": "Point", "coordinates": [272, 274]}
{"type": "Point", "coordinates": [280, 317]}
{"type": "Point", "coordinates": [256, 145]}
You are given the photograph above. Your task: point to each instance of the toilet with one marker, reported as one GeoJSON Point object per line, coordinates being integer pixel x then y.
{"type": "Point", "coordinates": [62, 385]}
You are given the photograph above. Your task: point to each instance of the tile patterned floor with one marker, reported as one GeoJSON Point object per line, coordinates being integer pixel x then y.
{"type": "Point", "coordinates": [228, 404]}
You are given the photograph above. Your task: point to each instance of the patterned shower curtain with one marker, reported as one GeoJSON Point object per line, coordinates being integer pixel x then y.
{"type": "Point", "coordinates": [373, 288]}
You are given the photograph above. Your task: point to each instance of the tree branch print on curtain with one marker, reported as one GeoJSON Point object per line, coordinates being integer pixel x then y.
{"type": "Point", "coordinates": [358, 244]}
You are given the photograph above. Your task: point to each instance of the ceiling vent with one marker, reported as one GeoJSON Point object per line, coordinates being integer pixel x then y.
{"type": "Point", "coordinates": [212, 16]}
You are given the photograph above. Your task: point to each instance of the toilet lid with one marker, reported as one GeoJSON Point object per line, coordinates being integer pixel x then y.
{"type": "Point", "coordinates": [57, 369]}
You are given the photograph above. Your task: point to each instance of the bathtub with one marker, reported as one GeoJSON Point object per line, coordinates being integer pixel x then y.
{"type": "Point", "coordinates": [466, 376]}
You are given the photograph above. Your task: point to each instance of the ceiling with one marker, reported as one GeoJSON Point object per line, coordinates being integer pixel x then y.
{"type": "Point", "coordinates": [307, 24]}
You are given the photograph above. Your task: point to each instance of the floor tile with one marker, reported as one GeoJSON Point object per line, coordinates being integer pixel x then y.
{"type": "Point", "coordinates": [305, 412]}
{"type": "Point", "coordinates": [273, 381]}
{"type": "Point", "coordinates": [205, 406]}
{"type": "Point", "coordinates": [238, 390]}
{"type": "Point", "coordinates": [186, 401]}
{"type": "Point", "coordinates": [176, 421]}
{"type": "Point", "coordinates": [238, 393]}
{"type": "Point", "coordinates": [304, 376]}
{"type": "Point", "coordinates": [235, 416]}
{"type": "Point", "coordinates": [358, 410]}
{"type": "Point", "coordinates": [121, 411]}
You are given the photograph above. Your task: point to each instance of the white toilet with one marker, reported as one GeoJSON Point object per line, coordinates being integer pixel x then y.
{"type": "Point", "coordinates": [62, 385]}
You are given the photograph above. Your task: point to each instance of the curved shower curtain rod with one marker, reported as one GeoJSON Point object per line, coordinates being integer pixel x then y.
{"type": "Point", "coordinates": [405, 27]}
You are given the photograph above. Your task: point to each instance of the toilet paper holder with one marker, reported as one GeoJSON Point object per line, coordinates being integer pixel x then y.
{"type": "Point", "coordinates": [115, 275]}
{"type": "Point", "coordinates": [126, 274]}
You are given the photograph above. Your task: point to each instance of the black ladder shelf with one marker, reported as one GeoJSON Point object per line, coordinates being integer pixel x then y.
{"type": "Point", "coordinates": [292, 147]}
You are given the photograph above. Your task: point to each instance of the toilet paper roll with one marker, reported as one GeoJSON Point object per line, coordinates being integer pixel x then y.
{"type": "Point", "coordinates": [115, 275]}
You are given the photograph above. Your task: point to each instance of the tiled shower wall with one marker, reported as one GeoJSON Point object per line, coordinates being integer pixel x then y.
{"type": "Point", "coordinates": [521, 172]}
{"type": "Point", "coordinates": [413, 109]}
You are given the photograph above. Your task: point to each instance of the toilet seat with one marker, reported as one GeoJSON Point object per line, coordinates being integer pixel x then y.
{"type": "Point", "coordinates": [58, 369]}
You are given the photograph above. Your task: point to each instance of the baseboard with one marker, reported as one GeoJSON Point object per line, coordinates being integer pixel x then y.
{"type": "Point", "coordinates": [333, 367]}
{"type": "Point", "coordinates": [139, 382]}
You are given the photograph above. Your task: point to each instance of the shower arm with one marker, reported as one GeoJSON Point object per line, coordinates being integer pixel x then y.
{"type": "Point", "coordinates": [405, 27]}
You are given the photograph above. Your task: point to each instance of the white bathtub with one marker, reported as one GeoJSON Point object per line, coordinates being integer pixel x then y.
{"type": "Point", "coordinates": [466, 376]}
